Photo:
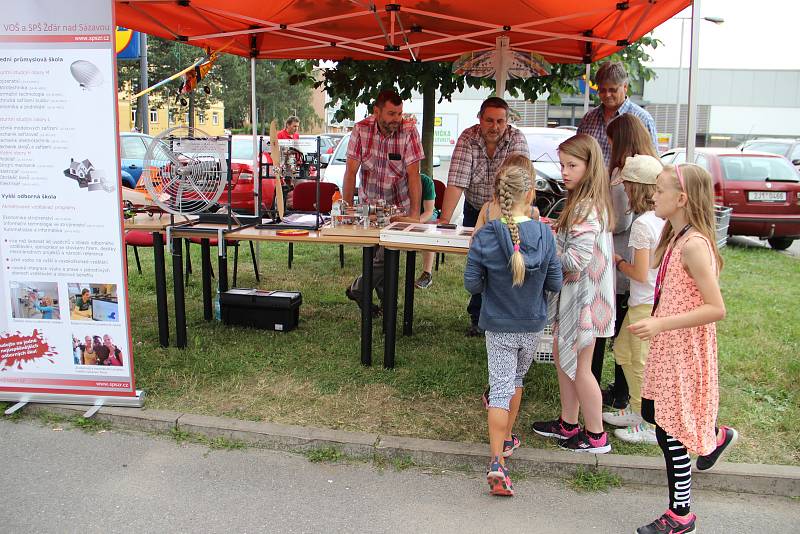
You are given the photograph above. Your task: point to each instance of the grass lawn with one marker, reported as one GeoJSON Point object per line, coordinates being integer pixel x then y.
{"type": "Point", "coordinates": [313, 376]}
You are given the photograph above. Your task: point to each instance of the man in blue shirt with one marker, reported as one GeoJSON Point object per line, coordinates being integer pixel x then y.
{"type": "Point", "coordinates": [612, 88]}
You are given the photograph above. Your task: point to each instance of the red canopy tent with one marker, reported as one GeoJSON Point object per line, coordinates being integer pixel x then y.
{"type": "Point", "coordinates": [562, 31]}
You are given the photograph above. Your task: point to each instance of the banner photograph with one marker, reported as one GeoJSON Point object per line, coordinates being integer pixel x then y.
{"type": "Point", "coordinates": [64, 326]}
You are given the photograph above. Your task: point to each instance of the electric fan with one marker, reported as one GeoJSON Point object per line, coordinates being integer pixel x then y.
{"type": "Point", "coordinates": [185, 170]}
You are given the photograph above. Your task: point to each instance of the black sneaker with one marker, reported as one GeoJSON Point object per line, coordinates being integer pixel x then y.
{"type": "Point", "coordinates": [704, 463]}
{"type": "Point", "coordinates": [424, 281]}
{"type": "Point", "coordinates": [582, 442]}
{"type": "Point", "coordinates": [611, 401]}
{"type": "Point", "coordinates": [554, 429]}
{"type": "Point", "coordinates": [474, 331]}
{"type": "Point", "coordinates": [376, 310]}
{"type": "Point", "coordinates": [669, 523]}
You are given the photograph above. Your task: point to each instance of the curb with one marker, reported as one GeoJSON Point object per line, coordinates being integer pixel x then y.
{"type": "Point", "coordinates": [774, 480]}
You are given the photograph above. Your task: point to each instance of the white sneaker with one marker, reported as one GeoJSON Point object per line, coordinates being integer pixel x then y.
{"type": "Point", "coordinates": [622, 418]}
{"type": "Point", "coordinates": [641, 433]}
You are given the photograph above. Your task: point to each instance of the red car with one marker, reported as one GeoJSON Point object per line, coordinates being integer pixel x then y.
{"type": "Point", "coordinates": [242, 194]}
{"type": "Point", "coordinates": [763, 190]}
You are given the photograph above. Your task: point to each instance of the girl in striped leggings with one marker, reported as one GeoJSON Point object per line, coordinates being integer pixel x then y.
{"type": "Point", "coordinates": [511, 261]}
{"type": "Point", "coordinates": [680, 392]}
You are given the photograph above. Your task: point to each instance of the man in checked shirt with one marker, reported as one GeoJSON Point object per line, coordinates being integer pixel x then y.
{"type": "Point", "coordinates": [387, 149]}
{"type": "Point", "coordinates": [478, 154]}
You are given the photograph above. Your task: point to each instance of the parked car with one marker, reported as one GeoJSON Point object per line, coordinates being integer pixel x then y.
{"type": "Point", "coordinates": [242, 193]}
{"type": "Point", "coordinates": [132, 149]}
{"type": "Point", "coordinates": [543, 146]}
{"type": "Point", "coordinates": [789, 148]}
{"type": "Point", "coordinates": [763, 189]}
{"type": "Point", "coordinates": [334, 171]}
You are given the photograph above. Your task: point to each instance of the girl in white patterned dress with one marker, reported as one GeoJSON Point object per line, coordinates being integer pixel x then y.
{"type": "Point", "coordinates": [584, 310]}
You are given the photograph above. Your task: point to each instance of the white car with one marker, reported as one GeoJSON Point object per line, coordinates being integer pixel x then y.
{"type": "Point", "coordinates": [334, 172]}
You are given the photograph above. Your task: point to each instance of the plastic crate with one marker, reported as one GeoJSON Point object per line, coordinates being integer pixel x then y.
{"type": "Point", "coordinates": [544, 352]}
{"type": "Point", "coordinates": [722, 216]}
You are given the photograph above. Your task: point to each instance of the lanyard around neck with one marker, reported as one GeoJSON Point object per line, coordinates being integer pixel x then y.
{"type": "Point", "coordinates": [662, 271]}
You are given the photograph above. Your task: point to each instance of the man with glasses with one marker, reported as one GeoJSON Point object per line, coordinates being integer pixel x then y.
{"type": "Point", "coordinates": [612, 88]}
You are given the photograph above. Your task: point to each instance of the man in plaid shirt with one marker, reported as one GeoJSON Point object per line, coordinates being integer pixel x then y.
{"type": "Point", "coordinates": [387, 149]}
{"type": "Point", "coordinates": [612, 88]}
{"type": "Point", "coordinates": [478, 154]}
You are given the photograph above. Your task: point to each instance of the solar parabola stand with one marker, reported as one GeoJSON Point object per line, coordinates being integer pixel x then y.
{"type": "Point", "coordinates": [185, 170]}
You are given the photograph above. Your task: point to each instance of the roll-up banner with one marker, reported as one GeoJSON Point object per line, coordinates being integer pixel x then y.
{"type": "Point", "coordinates": [64, 323]}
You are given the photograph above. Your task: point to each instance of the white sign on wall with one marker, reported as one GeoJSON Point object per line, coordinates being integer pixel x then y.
{"type": "Point", "coordinates": [64, 325]}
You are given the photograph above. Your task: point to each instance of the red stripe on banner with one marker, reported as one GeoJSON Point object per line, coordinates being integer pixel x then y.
{"type": "Point", "coordinates": [116, 384]}
{"type": "Point", "coordinates": [101, 38]}
{"type": "Point", "coordinates": [87, 392]}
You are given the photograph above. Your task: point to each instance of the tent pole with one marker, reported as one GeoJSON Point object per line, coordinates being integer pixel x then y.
{"type": "Point", "coordinates": [586, 88]}
{"type": "Point", "coordinates": [676, 139]}
{"type": "Point", "coordinates": [254, 123]}
{"type": "Point", "coordinates": [691, 121]}
{"type": "Point", "coordinates": [501, 74]}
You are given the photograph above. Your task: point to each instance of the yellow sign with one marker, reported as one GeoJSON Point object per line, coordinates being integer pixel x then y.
{"type": "Point", "coordinates": [123, 38]}
{"type": "Point", "coordinates": [437, 121]}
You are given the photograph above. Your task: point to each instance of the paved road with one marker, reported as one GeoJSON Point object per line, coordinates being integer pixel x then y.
{"type": "Point", "coordinates": [71, 481]}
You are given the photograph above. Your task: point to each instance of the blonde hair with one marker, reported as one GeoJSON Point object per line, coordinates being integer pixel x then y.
{"type": "Point", "coordinates": [699, 189]}
{"type": "Point", "coordinates": [513, 181]}
{"type": "Point", "coordinates": [592, 192]}
{"type": "Point", "coordinates": [640, 197]}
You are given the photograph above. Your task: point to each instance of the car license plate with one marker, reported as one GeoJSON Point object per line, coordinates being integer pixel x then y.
{"type": "Point", "coordinates": [766, 196]}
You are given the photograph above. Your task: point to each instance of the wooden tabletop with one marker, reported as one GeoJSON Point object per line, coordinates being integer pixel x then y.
{"type": "Point", "coordinates": [152, 223]}
{"type": "Point", "coordinates": [355, 236]}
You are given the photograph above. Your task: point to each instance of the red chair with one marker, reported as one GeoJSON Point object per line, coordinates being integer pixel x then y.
{"type": "Point", "coordinates": [440, 188]}
{"type": "Point", "coordinates": [304, 198]}
{"type": "Point", "coordinates": [135, 239]}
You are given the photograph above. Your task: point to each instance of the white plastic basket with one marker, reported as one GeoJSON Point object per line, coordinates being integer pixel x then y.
{"type": "Point", "coordinates": [722, 216]}
{"type": "Point", "coordinates": [544, 352]}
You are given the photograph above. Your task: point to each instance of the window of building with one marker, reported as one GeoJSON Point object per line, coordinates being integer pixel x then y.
{"type": "Point", "coordinates": [201, 118]}
{"type": "Point", "coordinates": [154, 116]}
{"type": "Point", "coordinates": [215, 118]}
{"type": "Point", "coordinates": [133, 116]}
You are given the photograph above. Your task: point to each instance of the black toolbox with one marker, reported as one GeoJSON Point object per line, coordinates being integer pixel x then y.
{"type": "Point", "coordinates": [273, 310]}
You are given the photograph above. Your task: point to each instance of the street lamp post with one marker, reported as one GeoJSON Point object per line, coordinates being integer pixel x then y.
{"type": "Point", "coordinates": [715, 20]}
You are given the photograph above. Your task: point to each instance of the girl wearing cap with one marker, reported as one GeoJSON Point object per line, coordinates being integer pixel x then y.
{"type": "Point", "coordinates": [630, 353]}
{"type": "Point", "coordinates": [628, 137]}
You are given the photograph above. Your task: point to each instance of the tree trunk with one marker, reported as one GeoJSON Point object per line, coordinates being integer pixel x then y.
{"type": "Point", "coordinates": [428, 112]}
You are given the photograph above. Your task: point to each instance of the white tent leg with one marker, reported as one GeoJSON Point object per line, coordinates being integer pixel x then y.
{"type": "Point", "coordinates": [501, 72]}
{"type": "Point", "coordinates": [694, 71]}
{"type": "Point", "coordinates": [254, 121]}
{"type": "Point", "coordinates": [586, 89]}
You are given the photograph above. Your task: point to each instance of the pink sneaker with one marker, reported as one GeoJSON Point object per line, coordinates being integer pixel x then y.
{"type": "Point", "coordinates": [582, 442]}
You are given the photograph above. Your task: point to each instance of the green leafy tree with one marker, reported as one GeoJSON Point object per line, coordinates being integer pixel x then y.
{"type": "Point", "coordinates": [353, 82]}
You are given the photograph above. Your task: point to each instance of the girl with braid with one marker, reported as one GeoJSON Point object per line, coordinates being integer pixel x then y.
{"type": "Point", "coordinates": [584, 310]}
{"type": "Point", "coordinates": [492, 209]}
{"type": "Point", "coordinates": [512, 260]}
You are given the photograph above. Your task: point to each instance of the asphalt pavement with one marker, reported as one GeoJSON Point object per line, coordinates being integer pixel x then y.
{"type": "Point", "coordinates": [57, 479]}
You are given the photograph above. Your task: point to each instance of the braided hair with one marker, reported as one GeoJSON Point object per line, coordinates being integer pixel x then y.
{"type": "Point", "coordinates": [512, 183]}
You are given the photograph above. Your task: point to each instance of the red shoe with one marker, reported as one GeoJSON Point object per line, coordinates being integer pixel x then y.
{"type": "Point", "coordinates": [498, 479]}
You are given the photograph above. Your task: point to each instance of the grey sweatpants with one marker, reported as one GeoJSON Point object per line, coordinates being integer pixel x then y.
{"type": "Point", "coordinates": [509, 355]}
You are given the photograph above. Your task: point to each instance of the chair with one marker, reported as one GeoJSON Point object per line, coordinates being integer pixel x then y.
{"type": "Point", "coordinates": [304, 197]}
{"type": "Point", "coordinates": [440, 188]}
{"type": "Point", "coordinates": [135, 239]}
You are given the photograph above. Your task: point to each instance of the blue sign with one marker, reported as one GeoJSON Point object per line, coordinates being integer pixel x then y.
{"type": "Point", "coordinates": [127, 42]}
